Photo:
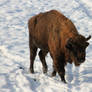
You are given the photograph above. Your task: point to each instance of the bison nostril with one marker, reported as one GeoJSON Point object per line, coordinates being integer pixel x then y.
{"type": "Point", "coordinates": [82, 60]}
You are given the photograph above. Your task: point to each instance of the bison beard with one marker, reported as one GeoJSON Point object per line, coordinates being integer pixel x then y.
{"type": "Point", "coordinates": [54, 33]}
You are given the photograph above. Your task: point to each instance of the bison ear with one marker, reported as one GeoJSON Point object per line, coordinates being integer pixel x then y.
{"type": "Point", "coordinates": [89, 37]}
{"type": "Point", "coordinates": [69, 44]}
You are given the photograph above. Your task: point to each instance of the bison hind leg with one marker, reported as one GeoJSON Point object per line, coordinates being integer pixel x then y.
{"type": "Point", "coordinates": [53, 73]}
{"type": "Point", "coordinates": [33, 51]}
{"type": "Point", "coordinates": [42, 55]}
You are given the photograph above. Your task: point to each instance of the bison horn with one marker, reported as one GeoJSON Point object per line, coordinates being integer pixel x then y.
{"type": "Point", "coordinates": [88, 37]}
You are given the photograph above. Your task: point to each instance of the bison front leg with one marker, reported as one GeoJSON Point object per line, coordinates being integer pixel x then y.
{"type": "Point", "coordinates": [62, 74]}
{"type": "Point", "coordinates": [59, 64]}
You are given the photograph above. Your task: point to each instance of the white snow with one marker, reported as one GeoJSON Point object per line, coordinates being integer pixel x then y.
{"type": "Point", "coordinates": [14, 50]}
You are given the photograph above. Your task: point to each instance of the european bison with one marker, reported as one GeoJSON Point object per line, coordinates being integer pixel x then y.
{"type": "Point", "coordinates": [53, 32]}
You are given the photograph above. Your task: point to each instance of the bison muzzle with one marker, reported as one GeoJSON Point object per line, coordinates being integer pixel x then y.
{"type": "Point", "coordinates": [54, 33]}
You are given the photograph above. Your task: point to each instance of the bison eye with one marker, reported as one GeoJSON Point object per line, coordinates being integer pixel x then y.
{"type": "Point", "coordinates": [82, 49]}
{"type": "Point", "coordinates": [87, 44]}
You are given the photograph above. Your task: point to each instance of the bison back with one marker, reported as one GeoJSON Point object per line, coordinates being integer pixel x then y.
{"type": "Point", "coordinates": [45, 26]}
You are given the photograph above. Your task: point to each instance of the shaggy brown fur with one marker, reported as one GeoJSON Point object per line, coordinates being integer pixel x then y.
{"type": "Point", "coordinates": [53, 32]}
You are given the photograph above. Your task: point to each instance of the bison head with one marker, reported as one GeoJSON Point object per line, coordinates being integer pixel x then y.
{"type": "Point", "coordinates": [77, 48]}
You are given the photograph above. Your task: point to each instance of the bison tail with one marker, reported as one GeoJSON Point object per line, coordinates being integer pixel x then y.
{"type": "Point", "coordinates": [32, 22]}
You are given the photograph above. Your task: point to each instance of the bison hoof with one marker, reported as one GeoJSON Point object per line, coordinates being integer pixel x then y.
{"type": "Point", "coordinates": [64, 81]}
{"type": "Point", "coordinates": [31, 71]}
{"type": "Point", "coordinates": [53, 73]}
{"type": "Point", "coordinates": [45, 70]}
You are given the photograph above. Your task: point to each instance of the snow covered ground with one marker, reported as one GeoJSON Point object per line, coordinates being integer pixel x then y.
{"type": "Point", "coordinates": [14, 50]}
